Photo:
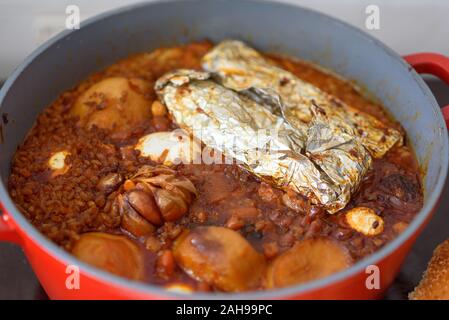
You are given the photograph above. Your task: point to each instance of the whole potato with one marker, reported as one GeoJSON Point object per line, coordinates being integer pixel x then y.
{"type": "Point", "coordinates": [308, 260]}
{"type": "Point", "coordinates": [220, 257]}
{"type": "Point", "coordinates": [112, 253]}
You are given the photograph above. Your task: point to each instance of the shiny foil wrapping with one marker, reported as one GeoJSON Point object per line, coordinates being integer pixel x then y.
{"type": "Point", "coordinates": [243, 69]}
{"type": "Point", "coordinates": [322, 159]}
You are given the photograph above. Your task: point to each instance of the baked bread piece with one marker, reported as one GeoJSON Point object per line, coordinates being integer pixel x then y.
{"type": "Point", "coordinates": [435, 283]}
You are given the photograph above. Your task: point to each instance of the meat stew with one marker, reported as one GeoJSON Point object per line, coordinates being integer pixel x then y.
{"type": "Point", "coordinates": [94, 175]}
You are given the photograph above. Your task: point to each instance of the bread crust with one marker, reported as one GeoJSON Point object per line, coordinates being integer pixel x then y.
{"type": "Point", "coordinates": [435, 283]}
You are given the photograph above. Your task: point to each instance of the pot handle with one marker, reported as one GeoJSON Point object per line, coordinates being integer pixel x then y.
{"type": "Point", "coordinates": [7, 232]}
{"type": "Point", "coordinates": [434, 64]}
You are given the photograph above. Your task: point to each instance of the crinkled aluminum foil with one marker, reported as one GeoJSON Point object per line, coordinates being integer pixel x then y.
{"type": "Point", "coordinates": [243, 69]}
{"type": "Point", "coordinates": [322, 160]}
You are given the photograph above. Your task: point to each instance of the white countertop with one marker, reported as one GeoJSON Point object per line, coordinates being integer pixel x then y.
{"type": "Point", "coordinates": [405, 25]}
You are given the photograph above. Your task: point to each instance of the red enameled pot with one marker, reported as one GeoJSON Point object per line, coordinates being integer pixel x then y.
{"type": "Point", "coordinates": [72, 55]}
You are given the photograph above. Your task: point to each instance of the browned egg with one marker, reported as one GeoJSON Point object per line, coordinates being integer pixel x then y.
{"type": "Point", "coordinates": [116, 104]}
{"type": "Point", "coordinates": [168, 147]}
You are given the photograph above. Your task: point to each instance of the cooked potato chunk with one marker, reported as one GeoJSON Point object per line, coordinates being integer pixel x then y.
{"type": "Point", "coordinates": [116, 104]}
{"type": "Point", "coordinates": [168, 147]}
{"type": "Point", "coordinates": [307, 260]}
{"type": "Point", "coordinates": [220, 257]}
{"type": "Point", "coordinates": [365, 220]}
{"type": "Point", "coordinates": [57, 164]}
{"type": "Point", "coordinates": [112, 253]}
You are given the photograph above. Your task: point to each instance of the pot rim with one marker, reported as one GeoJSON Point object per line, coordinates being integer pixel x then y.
{"type": "Point", "coordinates": [157, 291]}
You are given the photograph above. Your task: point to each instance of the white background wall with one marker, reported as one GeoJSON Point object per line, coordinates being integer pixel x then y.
{"type": "Point", "coordinates": [405, 25]}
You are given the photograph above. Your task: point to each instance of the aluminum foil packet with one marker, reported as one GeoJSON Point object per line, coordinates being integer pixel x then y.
{"type": "Point", "coordinates": [322, 159]}
{"type": "Point", "coordinates": [243, 69]}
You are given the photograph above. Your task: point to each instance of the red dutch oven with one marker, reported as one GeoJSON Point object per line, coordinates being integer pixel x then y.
{"type": "Point", "coordinates": [72, 55]}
